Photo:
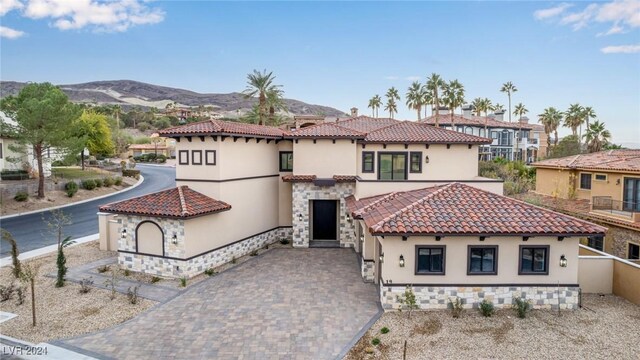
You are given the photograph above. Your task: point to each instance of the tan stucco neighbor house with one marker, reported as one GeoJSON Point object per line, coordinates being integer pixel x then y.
{"type": "Point", "coordinates": [404, 196]}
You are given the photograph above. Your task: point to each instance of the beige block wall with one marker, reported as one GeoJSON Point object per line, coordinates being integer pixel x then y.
{"type": "Point", "coordinates": [456, 163]}
{"type": "Point", "coordinates": [595, 274]}
{"type": "Point", "coordinates": [366, 189]}
{"type": "Point", "coordinates": [456, 260]}
{"type": "Point", "coordinates": [553, 182]}
{"type": "Point", "coordinates": [626, 281]}
{"type": "Point", "coordinates": [245, 159]}
{"type": "Point", "coordinates": [324, 158]}
{"type": "Point", "coordinates": [203, 172]}
{"type": "Point", "coordinates": [284, 190]}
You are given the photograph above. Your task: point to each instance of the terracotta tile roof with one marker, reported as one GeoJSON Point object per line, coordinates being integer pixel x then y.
{"type": "Point", "coordinates": [458, 209]}
{"type": "Point", "coordinates": [298, 178]}
{"type": "Point", "coordinates": [366, 124]}
{"type": "Point", "coordinates": [147, 147]}
{"type": "Point", "coordinates": [325, 130]}
{"type": "Point", "coordinates": [345, 178]}
{"type": "Point", "coordinates": [479, 121]}
{"type": "Point", "coordinates": [179, 202]}
{"type": "Point", "coordinates": [621, 160]}
{"type": "Point", "coordinates": [212, 127]}
{"type": "Point", "coordinates": [410, 131]}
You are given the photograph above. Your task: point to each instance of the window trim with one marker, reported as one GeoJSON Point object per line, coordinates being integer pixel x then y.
{"type": "Point", "coordinates": [590, 181]}
{"type": "Point", "coordinates": [406, 168]}
{"type": "Point", "coordinates": [280, 161]}
{"type": "Point", "coordinates": [546, 259]}
{"type": "Point", "coordinates": [411, 154]}
{"type": "Point", "coordinates": [193, 157]}
{"type": "Point", "coordinates": [444, 259]}
{"type": "Point", "coordinates": [495, 259]}
{"type": "Point", "coordinates": [373, 161]}
{"type": "Point", "coordinates": [183, 152]}
{"type": "Point", "coordinates": [206, 157]}
{"type": "Point", "coordinates": [629, 244]}
{"type": "Point", "coordinates": [595, 177]}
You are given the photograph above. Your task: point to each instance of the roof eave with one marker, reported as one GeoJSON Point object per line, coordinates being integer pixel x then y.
{"type": "Point", "coordinates": [582, 234]}
{"type": "Point", "coordinates": [181, 217]}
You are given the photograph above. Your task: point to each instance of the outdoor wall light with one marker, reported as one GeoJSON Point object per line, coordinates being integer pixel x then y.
{"type": "Point", "coordinates": [124, 233]}
{"type": "Point", "coordinates": [563, 261]}
{"type": "Point", "coordinates": [174, 239]}
{"type": "Point", "coordinates": [401, 261]}
{"type": "Point", "coordinates": [382, 258]}
{"type": "Point", "coordinates": [426, 159]}
{"type": "Point", "coordinates": [300, 217]}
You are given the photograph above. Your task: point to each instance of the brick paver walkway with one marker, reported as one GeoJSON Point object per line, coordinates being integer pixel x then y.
{"type": "Point", "coordinates": [284, 304]}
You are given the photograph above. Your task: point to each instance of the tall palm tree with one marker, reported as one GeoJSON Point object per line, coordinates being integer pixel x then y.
{"type": "Point", "coordinates": [508, 88]}
{"type": "Point", "coordinates": [391, 107]}
{"type": "Point", "coordinates": [574, 117]}
{"type": "Point", "coordinates": [434, 84]}
{"type": "Point", "coordinates": [427, 98]}
{"type": "Point", "coordinates": [477, 106]}
{"type": "Point", "coordinates": [414, 97]}
{"type": "Point", "coordinates": [375, 103]}
{"type": "Point", "coordinates": [259, 83]}
{"type": "Point", "coordinates": [596, 136]}
{"type": "Point", "coordinates": [486, 106]}
{"type": "Point", "coordinates": [497, 107]}
{"type": "Point", "coordinates": [275, 102]}
{"type": "Point", "coordinates": [551, 119]}
{"type": "Point", "coordinates": [519, 111]}
{"type": "Point", "coordinates": [372, 105]}
{"type": "Point", "coordinates": [453, 97]}
{"type": "Point", "coordinates": [587, 114]}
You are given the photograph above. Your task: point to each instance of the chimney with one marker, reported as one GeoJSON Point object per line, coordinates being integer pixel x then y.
{"type": "Point", "coordinates": [443, 110]}
{"type": "Point", "coordinates": [466, 111]}
{"type": "Point", "coordinates": [499, 115]}
{"type": "Point", "coordinates": [354, 112]}
{"type": "Point", "coordinates": [524, 120]}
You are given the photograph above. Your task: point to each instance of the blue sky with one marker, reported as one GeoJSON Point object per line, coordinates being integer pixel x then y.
{"type": "Point", "coordinates": [341, 54]}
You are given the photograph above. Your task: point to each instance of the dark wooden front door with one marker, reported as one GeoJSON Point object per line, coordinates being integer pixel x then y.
{"type": "Point", "coordinates": [325, 218]}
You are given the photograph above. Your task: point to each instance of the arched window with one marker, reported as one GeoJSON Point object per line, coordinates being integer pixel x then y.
{"type": "Point", "coordinates": [149, 238]}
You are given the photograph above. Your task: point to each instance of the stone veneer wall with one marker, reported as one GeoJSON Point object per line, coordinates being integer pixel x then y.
{"type": "Point", "coordinates": [179, 267]}
{"type": "Point", "coordinates": [302, 193]}
{"type": "Point", "coordinates": [367, 270]}
{"type": "Point", "coordinates": [169, 228]}
{"type": "Point", "coordinates": [434, 297]}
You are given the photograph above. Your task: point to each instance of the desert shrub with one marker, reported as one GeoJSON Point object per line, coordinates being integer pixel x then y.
{"type": "Point", "coordinates": [408, 300]}
{"type": "Point", "coordinates": [117, 181]}
{"type": "Point", "coordinates": [486, 308]}
{"type": "Point", "coordinates": [210, 272]}
{"type": "Point", "coordinates": [20, 295]}
{"type": "Point", "coordinates": [456, 307]}
{"type": "Point", "coordinates": [161, 159]}
{"type": "Point", "coordinates": [254, 253]}
{"type": "Point", "coordinates": [183, 281]}
{"type": "Point", "coordinates": [89, 184]}
{"type": "Point", "coordinates": [112, 284]}
{"type": "Point", "coordinates": [127, 272]}
{"type": "Point", "coordinates": [21, 196]}
{"type": "Point", "coordinates": [234, 260]}
{"type": "Point", "coordinates": [85, 285]}
{"type": "Point", "coordinates": [284, 241]}
{"type": "Point", "coordinates": [521, 307]}
{"type": "Point", "coordinates": [162, 123]}
{"type": "Point", "coordinates": [144, 126]}
{"type": "Point", "coordinates": [385, 330]}
{"type": "Point", "coordinates": [6, 292]}
{"type": "Point", "coordinates": [155, 279]}
{"type": "Point", "coordinates": [71, 187]}
{"type": "Point", "coordinates": [132, 294]}
{"type": "Point", "coordinates": [103, 269]}
{"type": "Point", "coordinates": [131, 173]}
{"type": "Point", "coordinates": [108, 182]}
{"type": "Point", "coordinates": [99, 183]}
{"type": "Point", "coordinates": [375, 342]}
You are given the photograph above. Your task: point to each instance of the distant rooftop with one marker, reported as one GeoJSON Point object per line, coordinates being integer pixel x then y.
{"type": "Point", "coordinates": [620, 160]}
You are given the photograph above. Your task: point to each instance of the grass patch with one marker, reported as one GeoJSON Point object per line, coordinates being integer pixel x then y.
{"type": "Point", "coordinates": [75, 173]}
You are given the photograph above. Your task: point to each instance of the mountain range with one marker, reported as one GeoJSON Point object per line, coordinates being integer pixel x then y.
{"type": "Point", "coordinates": [129, 94]}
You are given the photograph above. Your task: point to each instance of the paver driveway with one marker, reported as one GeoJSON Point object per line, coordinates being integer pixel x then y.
{"type": "Point", "coordinates": [284, 304]}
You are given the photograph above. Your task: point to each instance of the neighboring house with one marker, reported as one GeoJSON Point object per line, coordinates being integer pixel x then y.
{"type": "Point", "coordinates": [404, 195]}
{"type": "Point", "coordinates": [610, 181]}
{"type": "Point", "coordinates": [164, 146]}
{"type": "Point", "coordinates": [508, 138]}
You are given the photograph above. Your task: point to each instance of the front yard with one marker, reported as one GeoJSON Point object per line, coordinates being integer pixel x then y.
{"type": "Point", "coordinates": [606, 327]}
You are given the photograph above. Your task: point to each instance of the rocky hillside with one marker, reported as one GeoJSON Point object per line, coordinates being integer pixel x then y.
{"type": "Point", "coordinates": [128, 94]}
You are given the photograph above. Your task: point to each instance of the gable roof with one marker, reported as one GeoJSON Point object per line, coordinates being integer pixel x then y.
{"type": "Point", "coordinates": [411, 131]}
{"type": "Point", "coordinates": [620, 160]}
{"type": "Point", "coordinates": [221, 127]}
{"type": "Point", "coordinates": [366, 124]}
{"type": "Point", "coordinates": [179, 202]}
{"type": "Point", "coordinates": [479, 121]}
{"type": "Point", "coordinates": [458, 209]}
{"type": "Point", "coordinates": [325, 130]}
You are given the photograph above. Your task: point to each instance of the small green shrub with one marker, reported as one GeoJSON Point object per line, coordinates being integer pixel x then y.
{"type": "Point", "coordinates": [183, 281]}
{"type": "Point", "coordinates": [284, 241]}
{"type": "Point", "coordinates": [234, 260]}
{"type": "Point", "coordinates": [385, 330]}
{"type": "Point", "coordinates": [486, 308]}
{"type": "Point", "coordinates": [254, 253]}
{"type": "Point", "coordinates": [131, 173]}
{"type": "Point", "coordinates": [132, 294]}
{"type": "Point", "coordinates": [375, 342]}
{"type": "Point", "coordinates": [161, 159]}
{"type": "Point", "coordinates": [20, 292]}
{"type": "Point", "coordinates": [155, 279]}
{"type": "Point", "coordinates": [89, 184]}
{"type": "Point", "coordinates": [117, 181]}
{"type": "Point", "coordinates": [99, 183]}
{"type": "Point", "coordinates": [210, 272]}
{"type": "Point", "coordinates": [21, 196]}
{"type": "Point", "coordinates": [103, 269]}
{"type": "Point", "coordinates": [108, 181]}
{"type": "Point", "coordinates": [6, 292]}
{"type": "Point", "coordinates": [85, 285]}
{"type": "Point", "coordinates": [408, 300]}
{"type": "Point", "coordinates": [456, 307]}
{"type": "Point", "coordinates": [521, 307]}
{"type": "Point", "coordinates": [127, 272]}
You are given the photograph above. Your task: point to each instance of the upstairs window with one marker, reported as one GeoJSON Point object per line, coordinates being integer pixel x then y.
{"type": "Point", "coordinates": [367, 161]}
{"type": "Point", "coordinates": [416, 162]}
{"type": "Point", "coordinates": [585, 181]}
{"type": "Point", "coordinates": [634, 252]}
{"type": "Point", "coordinates": [596, 242]}
{"type": "Point", "coordinates": [601, 177]}
{"type": "Point", "coordinates": [392, 166]}
{"type": "Point", "coordinates": [286, 161]}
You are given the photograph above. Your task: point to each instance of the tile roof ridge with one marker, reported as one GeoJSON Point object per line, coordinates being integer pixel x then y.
{"type": "Point", "coordinates": [384, 197]}
{"type": "Point", "coordinates": [346, 128]}
{"type": "Point", "coordinates": [398, 122]}
{"type": "Point", "coordinates": [415, 203]}
{"type": "Point", "coordinates": [183, 202]}
{"type": "Point", "coordinates": [573, 160]}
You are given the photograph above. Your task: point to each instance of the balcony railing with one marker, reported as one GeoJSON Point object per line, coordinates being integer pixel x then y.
{"type": "Point", "coordinates": [615, 207]}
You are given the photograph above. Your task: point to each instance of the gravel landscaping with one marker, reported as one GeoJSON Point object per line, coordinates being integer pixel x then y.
{"type": "Point", "coordinates": [606, 327]}
{"type": "Point", "coordinates": [64, 312]}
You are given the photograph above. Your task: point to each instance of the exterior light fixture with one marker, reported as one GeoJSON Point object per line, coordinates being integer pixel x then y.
{"type": "Point", "coordinates": [563, 261]}
{"type": "Point", "coordinates": [401, 261]}
{"type": "Point", "coordinates": [124, 233]}
{"type": "Point", "coordinates": [174, 239]}
{"type": "Point", "coordinates": [426, 159]}
{"type": "Point", "coordinates": [382, 258]}
{"type": "Point", "coordinates": [300, 217]}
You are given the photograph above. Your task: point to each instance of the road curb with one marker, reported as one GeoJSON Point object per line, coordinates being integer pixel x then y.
{"type": "Point", "coordinates": [47, 249]}
{"type": "Point", "coordinates": [75, 203]}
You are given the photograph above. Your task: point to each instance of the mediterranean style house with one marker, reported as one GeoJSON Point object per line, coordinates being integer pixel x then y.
{"type": "Point", "coordinates": [509, 140]}
{"type": "Point", "coordinates": [405, 196]}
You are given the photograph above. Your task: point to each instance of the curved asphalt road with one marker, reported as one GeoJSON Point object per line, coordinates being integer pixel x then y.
{"type": "Point", "coordinates": [31, 232]}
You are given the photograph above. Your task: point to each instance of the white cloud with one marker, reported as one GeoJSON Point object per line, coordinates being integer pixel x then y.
{"type": "Point", "coordinates": [543, 14]}
{"type": "Point", "coordinates": [9, 33]}
{"type": "Point", "coordinates": [621, 49]}
{"type": "Point", "coordinates": [9, 5]}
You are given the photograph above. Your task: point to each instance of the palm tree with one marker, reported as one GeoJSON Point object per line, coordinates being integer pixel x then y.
{"type": "Point", "coordinates": [259, 83]}
{"type": "Point", "coordinates": [551, 119]}
{"type": "Point", "coordinates": [427, 98]}
{"type": "Point", "coordinates": [597, 136]}
{"type": "Point", "coordinates": [374, 103]}
{"type": "Point", "coordinates": [573, 118]}
{"type": "Point", "coordinates": [486, 106]}
{"type": "Point", "coordinates": [391, 107]}
{"type": "Point", "coordinates": [519, 111]}
{"type": "Point", "coordinates": [414, 97]}
{"type": "Point", "coordinates": [509, 88]}
{"type": "Point", "coordinates": [275, 102]}
{"type": "Point", "coordinates": [453, 97]}
{"type": "Point", "coordinates": [497, 107]}
{"type": "Point", "coordinates": [116, 110]}
{"type": "Point", "coordinates": [477, 106]}
{"type": "Point", "coordinates": [434, 84]}
{"type": "Point", "coordinates": [587, 114]}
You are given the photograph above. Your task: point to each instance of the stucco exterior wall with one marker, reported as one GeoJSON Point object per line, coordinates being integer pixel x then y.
{"type": "Point", "coordinates": [595, 274]}
{"type": "Point", "coordinates": [199, 172]}
{"type": "Point", "coordinates": [324, 158]}
{"type": "Point", "coordinates": [456, 260]}
{"type": "Point", "coordinates": [556, 182]}
{"type": "Point", "coordinates": [246, 159]}
{"type": "Point", "coordinates": [553, 182]}
{"type": "Point", "coordinates": [626, 281]}
{"type": "Point", "coordinates": [366, 189]}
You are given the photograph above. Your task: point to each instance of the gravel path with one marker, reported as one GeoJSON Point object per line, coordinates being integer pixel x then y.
{"type": "Point", "coordinates": [607, 328]}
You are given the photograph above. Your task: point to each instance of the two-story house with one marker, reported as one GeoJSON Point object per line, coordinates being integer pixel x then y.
{"type": "Point", "coordinates": [404, 196]}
